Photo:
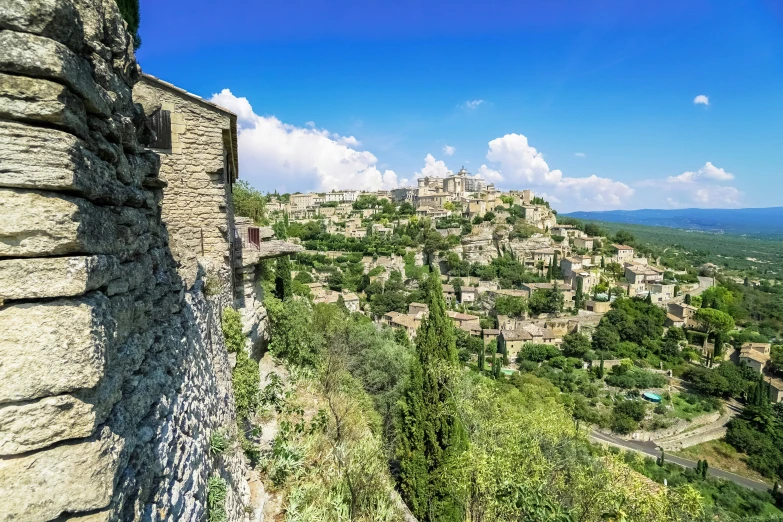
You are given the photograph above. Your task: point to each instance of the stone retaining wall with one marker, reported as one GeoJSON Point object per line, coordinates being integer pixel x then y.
{"type": "Point", "coordinates": [113, 374]}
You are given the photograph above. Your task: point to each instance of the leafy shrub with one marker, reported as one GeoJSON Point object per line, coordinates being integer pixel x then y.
{"type": "Point", "coordinates": [218, 442]}
{"type": "Point", "coordinates": [216, 499]}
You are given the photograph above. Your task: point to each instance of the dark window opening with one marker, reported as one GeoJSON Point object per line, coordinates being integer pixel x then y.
{"type": "Point", "coordinates": [160, 123]}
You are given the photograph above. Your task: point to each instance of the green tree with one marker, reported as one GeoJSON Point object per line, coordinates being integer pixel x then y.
{"type": "Point", "coordinates": [713, 320]}
{"type": "Point", "coordinates": [575, 345]}
{"type": "Point", "coordinates": [129, 9]}
{"type": "Point", "coordinates": [429, 434]}
{"type": "Point", "coordinates": [283, 278]}
{"type": "Point", "coordinates": [510, 306]}
{"type": "Point", "coordinates": [248, 202]}
{"type": "Point", "coordinates": [579, 296]}
{"type": "Point", "coordinates": [688, 299]}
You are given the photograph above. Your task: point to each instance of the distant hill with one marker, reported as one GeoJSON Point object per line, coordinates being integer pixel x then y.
{"type": "Point", "coordinates": [744, 221]}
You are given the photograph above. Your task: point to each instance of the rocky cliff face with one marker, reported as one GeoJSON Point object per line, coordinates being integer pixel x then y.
{"type": "Point", "coordinates": [113, 374]}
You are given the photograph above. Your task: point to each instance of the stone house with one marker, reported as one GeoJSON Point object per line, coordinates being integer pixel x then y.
{"type": "Point", "coordinates": [545, 255]}
{"type": "Point", "coordinates": [317, 290]}
{"type": "Point", "coordinates": [584, 242]}
{"type": "Point", "coordinates": [542, 335]}
{"type": "Point", "coordinates": [469, 294]}
{"type": "Point", "coordinates": [623, 253]}
{"type": "Point", "coordinates": [637, 274]}
{"type": "Point", "coordinates": [388, 317]}
{"type": "Point", "coordinates": [682, 313]}
{"type": "Point", "coordinates": [196, 141]}
{"type": "Point", "coordinates": [448, 293]}
{"type": "Point", "coordinates": [569, 265]}
{"type": "Point", "coordinates": [488, 334]}
{"type": "Point", "coordinates": [467, 322]}
{"type": "Point", "coordinates": [513, 341]}
{"type": "Point", "coordinates": [756, 356]}
{"type": "Point", "coordinates": [408, 323]}
{"type": "Point", "coordinates": [660, 291]}
{"type": "Point", "coordinates": [506, 323]}
{"type": "Point", "coordinates": [351, 301]}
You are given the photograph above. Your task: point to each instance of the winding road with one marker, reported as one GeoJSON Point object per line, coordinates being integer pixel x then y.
{"type": "Point", "coordinates": [651, 450]}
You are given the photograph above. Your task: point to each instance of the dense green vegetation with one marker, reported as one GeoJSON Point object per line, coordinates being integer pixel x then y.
{"type": "Point", "coordinates": [723, 500]}
{"type": "Point", "coordinates": [683, 250]}
{"type": "Point", "coordinates": [129, 9]}
{"type": "Point", "coordinates": [503, 450]}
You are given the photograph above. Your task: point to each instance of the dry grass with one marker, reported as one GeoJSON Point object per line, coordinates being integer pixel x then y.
{"type": "Point", "coordinates": [720, 454]}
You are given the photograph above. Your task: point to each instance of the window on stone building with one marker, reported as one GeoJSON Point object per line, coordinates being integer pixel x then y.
{"type": "Point", "coordinates": [160, 123]}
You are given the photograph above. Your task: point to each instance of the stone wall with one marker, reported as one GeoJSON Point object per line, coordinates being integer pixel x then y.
{"type": "Point", "coordinates": [113, 373]}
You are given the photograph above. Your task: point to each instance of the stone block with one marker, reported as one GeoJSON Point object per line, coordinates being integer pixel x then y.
{"type": "Point", "coordinates": [44, 277]}
{"type": "Point", "coordinates": [54, 347]}
{"type": "Point", "coordinates": [39, 223]}
{"type": "Point", "coordinates": [34, 425]}
{"type": "Point", "coordinates": [30, 55]}
{"type": "Point", "coordinates": [49, 159]}
{"type": "Point", "coordinates": [69, 478]}
{"type": "Point", "coordinates": [44, 18]}
{"type": "Point", "coordinates": [32, 99]}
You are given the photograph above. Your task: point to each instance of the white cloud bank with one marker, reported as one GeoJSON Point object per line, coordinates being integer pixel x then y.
{"type": "Point", "coordinates": [701, 99]}
{"type": "Point", "coordinates": [520, 165]}
{"type": "Point", "coordinates": [276, 155]}
{"type": "Point", "coordinates": [704, 188]}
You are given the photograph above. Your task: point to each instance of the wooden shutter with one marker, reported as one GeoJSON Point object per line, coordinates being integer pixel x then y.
{"type": "Point", "coordinates": [160, 123]}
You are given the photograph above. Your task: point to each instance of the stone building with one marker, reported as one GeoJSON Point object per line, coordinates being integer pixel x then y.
{"type": "Point", "coordinates": [197, 144]}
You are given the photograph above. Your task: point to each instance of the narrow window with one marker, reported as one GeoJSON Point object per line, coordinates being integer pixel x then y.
{"type": "Point", "coordinates": [160, 123]}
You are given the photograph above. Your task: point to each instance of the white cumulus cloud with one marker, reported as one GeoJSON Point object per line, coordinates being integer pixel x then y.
{"type": "Point", "coordinates": [707, 172]}
{"type": "Point", "coordinates": [701, 188]}
{"type": "Point", "coordinates": [701, 99]}
{"type": "Point", "coordinates": [276, 155]}
{"type": "Point", "coordinates": [473, 104]}
{"type": "Point", "coordinates": [580, 154]}
{"type": "Point", "coordinates": [522, 166]}
{"type": "Point", "coordinates": [448, 150]}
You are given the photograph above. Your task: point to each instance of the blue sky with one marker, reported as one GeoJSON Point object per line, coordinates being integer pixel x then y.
{"type": "Point", "coordinates": [589, 102]}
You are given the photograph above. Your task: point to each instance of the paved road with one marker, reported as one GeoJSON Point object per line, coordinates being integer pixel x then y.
{"type": "Point", "coordinates": [704, 283]}
{"type": "Point", "coordinates": [650, 449]}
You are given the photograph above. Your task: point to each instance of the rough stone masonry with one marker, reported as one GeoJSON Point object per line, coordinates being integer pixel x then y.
{"type": "Point", "coordinates": [113, 373]}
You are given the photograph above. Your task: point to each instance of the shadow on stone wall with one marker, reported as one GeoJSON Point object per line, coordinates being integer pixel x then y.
{"type": "Point", "coordinates": [113, 375]}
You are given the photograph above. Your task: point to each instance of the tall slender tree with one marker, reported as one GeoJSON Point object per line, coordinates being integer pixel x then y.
{"type": "Point", "coordinates": [430, 435]}
{"type": "Point", "coordinates": [579, 297]}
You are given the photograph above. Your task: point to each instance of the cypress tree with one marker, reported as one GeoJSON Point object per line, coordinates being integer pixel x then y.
{"type": "Point", "coordinates": [718, 351]}
{"type": "Point", "coordinates": [429, 432]}
{"type": "Point", "coordinates": [283, 278]}
{"type": "Point", "coordinates": [603, 262]}
{"type": "Point", "coordinates": [688, 299]}
{"type": "Point", "coordinates": [579, 297]}
{"type": "Point", "coordinates": [482, 357]}
{"type": "Point", "coordinates": [704, 468]}
{"type": "Point", "coordinates": [496, 366]}
{"type": "Point", "coordinates": [648, 299]}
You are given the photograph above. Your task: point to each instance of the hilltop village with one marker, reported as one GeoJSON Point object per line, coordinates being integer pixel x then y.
{"type": "Point", "coordinates": [567, 275]}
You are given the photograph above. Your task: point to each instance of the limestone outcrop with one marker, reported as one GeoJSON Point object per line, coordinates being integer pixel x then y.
{"type": "Point", "coordinates": [113, 372]}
